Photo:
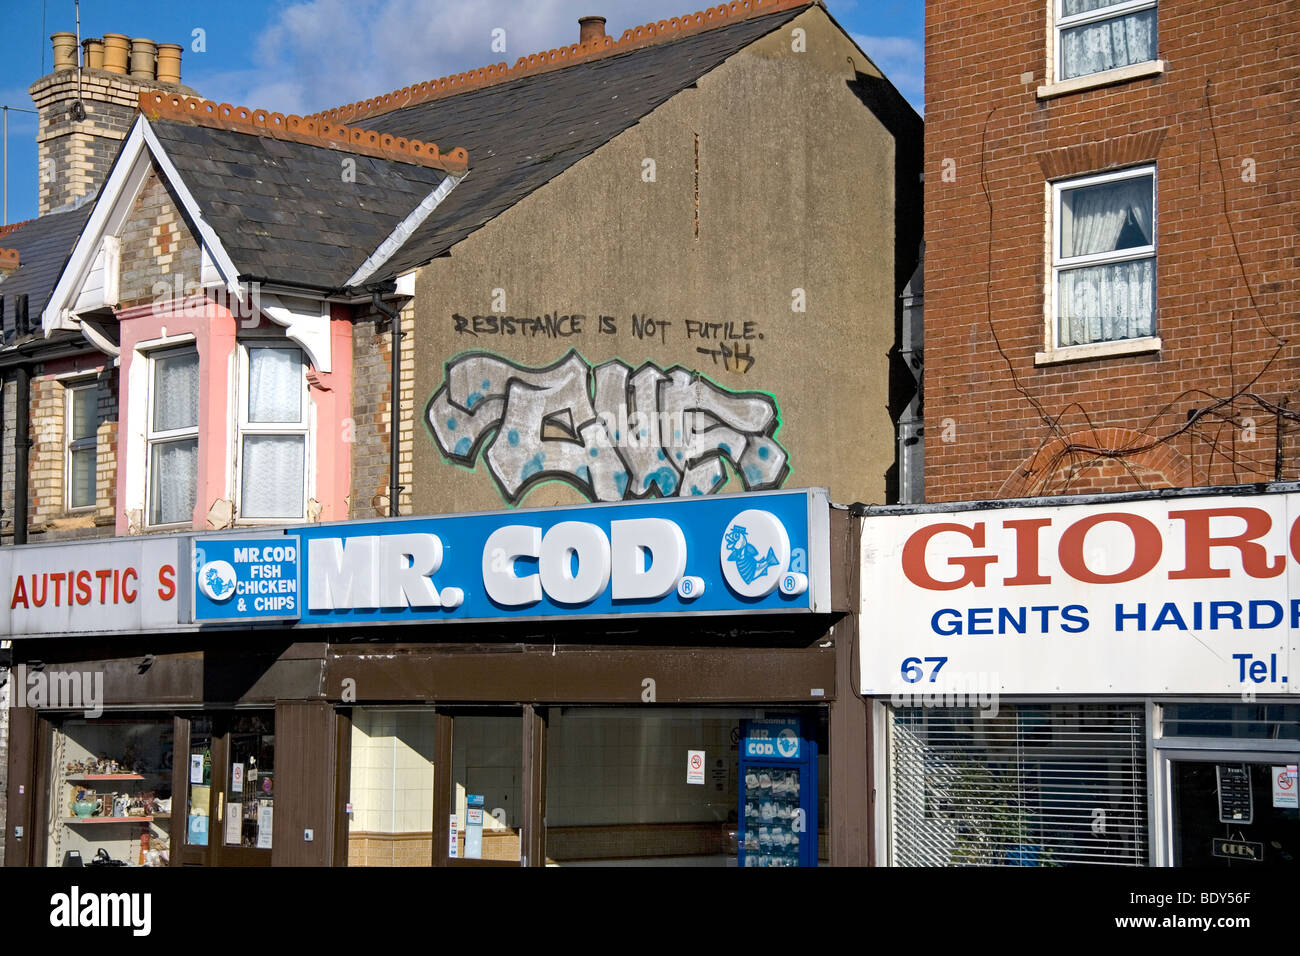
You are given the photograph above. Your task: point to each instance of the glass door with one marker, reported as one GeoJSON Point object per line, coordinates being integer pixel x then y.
{"type": "Point", "coordinates": [487, 808]}
{"type": "Point", "coordinates": [1235, 810]}
{"type": "Point", "coordinates": [229, 791]}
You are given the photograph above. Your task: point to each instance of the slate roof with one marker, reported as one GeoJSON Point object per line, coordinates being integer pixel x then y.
{"type": "Point", "coordinates": [283, 210]}
{"type": "Point", "coordinates": [44, 246]}
{"type": "Point", "coordinates": [522, 134]}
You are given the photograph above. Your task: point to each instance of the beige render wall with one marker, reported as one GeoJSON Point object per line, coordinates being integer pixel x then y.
{"type": "Point", "coordinates": [796, 191]}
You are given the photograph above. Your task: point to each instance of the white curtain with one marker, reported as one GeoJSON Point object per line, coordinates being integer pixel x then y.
{"type": "Point", "coordinates": [273, 476]}
{"type": "Point", "coordinates": [176, 391]}
{"type": "Point", "coordinates": [174, 482]}
{"type": "Point", "coordinates": [1107, 302]}
{"type": "Point", "coordinates": [1102, 303]}
{"type": "Point", "coordinates": [274, 385]}
{"type": "Point", "coordinates": [1107, 44]}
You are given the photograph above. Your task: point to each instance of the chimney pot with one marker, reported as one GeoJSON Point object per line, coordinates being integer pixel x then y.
{"type": "Point", "coordinates": [65, 51]}
{"type": "Point", "coordinates": [143, 58]}
{"type": "Point", "coordinates": [169, 63]}
{"type": "Point", "coordinates": [94, 54]}
{"type": "Point", "coordinates": [116, 48]}
{"type": "Point", "coordinates": [590, 29]}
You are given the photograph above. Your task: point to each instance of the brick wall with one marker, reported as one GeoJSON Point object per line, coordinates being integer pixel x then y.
{"type": "Point", "coordinates": [371, 411]}
{"type": "Point", "coordinates": [74, 156]}
{"type": "Point", "coordinates": [157, 245]}
{"type": "Point", "coordinates": [1000, 425]}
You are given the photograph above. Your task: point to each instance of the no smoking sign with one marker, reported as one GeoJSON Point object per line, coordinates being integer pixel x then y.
{"type": "Point", "coordinates": [695, 767]}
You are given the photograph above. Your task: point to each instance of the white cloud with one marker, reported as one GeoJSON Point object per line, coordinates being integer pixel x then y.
{"type": "Point", "coordinates": [322, 53]}
{"type": "Point", "coordinates": [901, 59]}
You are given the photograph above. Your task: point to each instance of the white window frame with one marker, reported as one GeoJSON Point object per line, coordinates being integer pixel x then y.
{"type": "Point", "coordinates": [1055, 264]}
{"type": "Point", "coordinates": [69, 408]}
{"type": "Point", "coordinates": [153, 438]}
{"type": "Point", "coordinates": [1057, 22]}
{"type": "Point", "coordinates": [305, 428]}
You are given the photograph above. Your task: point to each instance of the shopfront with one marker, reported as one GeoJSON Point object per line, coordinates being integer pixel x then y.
{"type": "Point", "coordinates": [1100, 683]}
{"type": "Point", "coordinates": [650, 683]}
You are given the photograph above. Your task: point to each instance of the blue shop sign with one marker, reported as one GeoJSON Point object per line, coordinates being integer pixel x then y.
{"type": "Point", "coordinates": [725, 554]}
{"type": "Point", "coordinates": [773, 739]}
{"type": "Point", "coordinates": [247, 578]}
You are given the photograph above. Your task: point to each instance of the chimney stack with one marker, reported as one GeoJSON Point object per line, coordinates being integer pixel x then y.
{"type": "Point", "coordinates": [590, 28]}
{"type": "Point", "coordinates": [8, 261]}
{"type": "Point", "coordinates": [83, 119]}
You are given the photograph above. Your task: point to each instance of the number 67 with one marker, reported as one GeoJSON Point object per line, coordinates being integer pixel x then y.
{"type": "Point", "coordinates": [912, 672]}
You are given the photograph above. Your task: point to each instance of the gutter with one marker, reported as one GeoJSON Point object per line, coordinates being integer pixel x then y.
{"type": "Point", "coordinates": [395, 405]}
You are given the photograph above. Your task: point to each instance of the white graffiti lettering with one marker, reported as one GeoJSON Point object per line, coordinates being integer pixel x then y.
{"type": "Point", "coordinates": [608, 431]}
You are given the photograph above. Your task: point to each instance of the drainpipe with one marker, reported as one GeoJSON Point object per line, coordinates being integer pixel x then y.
{"type": "Point", "coordinates": [394, 418]}
{"type": "Point", "coordinates": [22, 437]}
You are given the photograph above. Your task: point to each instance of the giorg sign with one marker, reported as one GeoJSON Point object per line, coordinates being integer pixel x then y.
{"type": "Point", "coordinates": [1186, 594]}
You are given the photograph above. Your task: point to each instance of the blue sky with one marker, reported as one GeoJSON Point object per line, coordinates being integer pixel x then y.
{"type": "Point", "coordinates": [309, 55]}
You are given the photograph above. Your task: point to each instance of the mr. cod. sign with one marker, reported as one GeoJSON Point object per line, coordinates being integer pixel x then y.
{"type": "Point", "coordinates": [717, 555]}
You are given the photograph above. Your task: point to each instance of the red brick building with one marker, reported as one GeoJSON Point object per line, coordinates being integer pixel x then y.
{"type": "Point", "coordinates": [1111, 212]}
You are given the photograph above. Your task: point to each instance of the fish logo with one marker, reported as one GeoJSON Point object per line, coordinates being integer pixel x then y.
{"type": "Point", "coordinates": [217, 580]}
{"type": "Point", "coordinates": [749, 563]}
{"type": "Point", "coordinates": [754, 545]}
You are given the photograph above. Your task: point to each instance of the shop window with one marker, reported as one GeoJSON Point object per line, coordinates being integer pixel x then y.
{"type": "Point", "coordinates": [173, 436]}
{"type": "Point", "coordinates": [1057, 785]}
{"type": "Point", "coordinates": [111, 794]}
{"type": "Point", "coordinates": [1095, 36]}
{"type": "Point", "coordinates": [1250, 721]}
{"type": "Point", "coordinates": [617, 791]}
{"type": "Point", "coordinates": [80, 428]}
{"type": "Point", "coordinates": [390, 793]}
{"type": "Point", "coordinates": [1103, 280]}
{"type": "Point", "coordinates": [273, 433]}
{"type": "Point", "coordinates": [487, 761]}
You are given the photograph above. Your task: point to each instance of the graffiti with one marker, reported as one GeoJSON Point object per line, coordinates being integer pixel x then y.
{"type": "Point", "coordinates": [609, 431]}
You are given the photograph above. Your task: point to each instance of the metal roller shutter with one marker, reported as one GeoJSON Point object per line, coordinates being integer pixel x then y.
{"type": "Point", "coordinates": [1035, 785]}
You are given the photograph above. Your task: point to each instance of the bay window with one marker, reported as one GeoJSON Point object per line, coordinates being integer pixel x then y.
{"type": "Point", "coordinates": [80, 428]}
{"type": "Point", "coordinates": [1103, 258]}
{"type": "Point", "coordinates": [273, 432]}
{"type": "Point", "coordinates": [1093, 36]}
{"type": "Point", "coordinates": [173, 436]}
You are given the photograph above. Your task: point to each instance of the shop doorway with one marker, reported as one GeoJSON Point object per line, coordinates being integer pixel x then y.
{"type": "Point", "coordinates": [1237, 810]}
{"type": "Point", "coordinates": [228, 788]}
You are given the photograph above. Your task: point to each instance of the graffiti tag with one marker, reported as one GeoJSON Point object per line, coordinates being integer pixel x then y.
{"type": "Point", "coordinates": [609, 431]}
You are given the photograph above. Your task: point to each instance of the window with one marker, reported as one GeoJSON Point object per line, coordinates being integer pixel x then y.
{"type": "Point", "coordinates": [1093, 36]}
{"type": "Point", "coordinates": [273, 431]}
{"type": "Point", "coordinates": [1104, 258]}
{"type": "Point", "coordinates": [80, 429]}
{"type": "Point", "coordinates": [173, 436]}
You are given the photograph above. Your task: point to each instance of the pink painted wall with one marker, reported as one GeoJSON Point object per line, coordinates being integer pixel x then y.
{"type": "Point", "coordinates": [214, 330]}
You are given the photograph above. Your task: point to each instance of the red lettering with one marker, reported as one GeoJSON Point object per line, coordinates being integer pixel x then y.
{"type": "Point", "coordinates": [58, 586]}
{"type": "Point", "coordinates": [104, 577]}
{"type": "Point", "coordinates": [167, 582]}
{"type": "Point", "coordinates": [1254, 558]}
{"type": "Point", "coordinates": [1146, 548]}
{"type": "Point", "coordinates": [117, 585]}
{"type": "Point", "coordinates": [129, 595]}
{"type": "Point", "coordinates": [974, 567]}
{"type": "Point", "coordinates": [83, 587]}
{"type": "Point", "coordinates": [20, 593]}
{"type": "Point", "coordinates": [1026, 530]}
{"type": "Point", "coordinates": [45, 591]}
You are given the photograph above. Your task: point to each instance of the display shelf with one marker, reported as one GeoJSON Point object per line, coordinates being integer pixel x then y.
{"type": "Point", "coordinates": [72, 821]}
{"type": "Point", "coordinates": [83, 777]}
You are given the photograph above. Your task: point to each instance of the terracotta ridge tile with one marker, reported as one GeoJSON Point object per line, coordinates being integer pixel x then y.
{"type": "Point", "coordinates": [158, 104]}
{"type": "Point", "coordinates": [635, 38]}
{"type": "Point", "coordinates": [5, 230]}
